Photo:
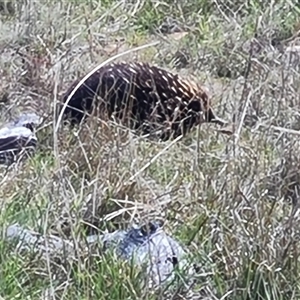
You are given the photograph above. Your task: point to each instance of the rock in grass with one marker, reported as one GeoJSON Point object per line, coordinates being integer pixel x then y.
{"type": "Point", "coordinates": [29, 240]}
{"type": "Point", "coordinates": [147, 246]}
{"type": "Point", "coordinates": [17, 138]}
{"type": "Point", "coordinates": [145, 98]}
{"type": "Point", "coordinates": [28, 120]}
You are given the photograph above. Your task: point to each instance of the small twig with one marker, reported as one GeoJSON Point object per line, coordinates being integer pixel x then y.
{"type": "Point", "coordinates": [247, 72]}
{"type": "Point", "coordinates": [55, 91]}
{"type": "Point", "coordinates": [281, 129]}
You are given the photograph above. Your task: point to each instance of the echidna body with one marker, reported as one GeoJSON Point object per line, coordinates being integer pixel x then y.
{"type": "Point", "coordinates": [145, 97]}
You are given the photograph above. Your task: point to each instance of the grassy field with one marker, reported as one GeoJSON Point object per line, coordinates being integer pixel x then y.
{"type": "Point", "coordinates": [232, 200]}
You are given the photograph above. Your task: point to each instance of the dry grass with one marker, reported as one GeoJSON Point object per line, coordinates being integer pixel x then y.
{"type": "Point", "coordinates": [232, 200]}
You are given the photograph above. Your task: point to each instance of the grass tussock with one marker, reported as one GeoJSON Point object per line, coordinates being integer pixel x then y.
{"type": "Point", "coordinates": [233, 201]}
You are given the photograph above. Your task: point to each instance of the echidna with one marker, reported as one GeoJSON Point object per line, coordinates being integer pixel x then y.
{"type": "Point", "coordinates": [144, 97]}
{"type": "Point", "coordinates": [18, 138]}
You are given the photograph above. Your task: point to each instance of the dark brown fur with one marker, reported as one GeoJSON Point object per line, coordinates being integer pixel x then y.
{"type": "Point", "coordinates": [144, 97]}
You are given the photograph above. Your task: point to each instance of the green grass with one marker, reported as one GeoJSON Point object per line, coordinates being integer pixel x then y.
{"type": "Point", "coordinates": [232, 203]}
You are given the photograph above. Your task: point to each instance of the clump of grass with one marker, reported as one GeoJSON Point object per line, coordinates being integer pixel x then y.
{"type": "Point", "coordinates": [232, 201]}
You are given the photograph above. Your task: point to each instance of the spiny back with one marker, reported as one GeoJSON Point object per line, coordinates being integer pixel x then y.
{"type": "Point", "coordinates": [144, 96]}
